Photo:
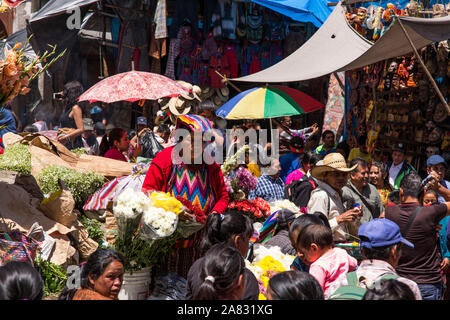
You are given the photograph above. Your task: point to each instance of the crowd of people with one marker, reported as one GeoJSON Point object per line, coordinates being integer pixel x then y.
{"type": "Point", "coordinates": [398, 217]}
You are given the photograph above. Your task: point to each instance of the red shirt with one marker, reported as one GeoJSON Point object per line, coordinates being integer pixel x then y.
{"type": "Point", "coordinates": [115, 154]}
{"type": "Point", "coordinates": [160, 170]}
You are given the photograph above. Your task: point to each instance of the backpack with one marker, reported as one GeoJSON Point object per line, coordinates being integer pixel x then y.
{"type": "Point", "coordinates": [352, 291]}
{"type": "Point", "coordinates": [299, 191]}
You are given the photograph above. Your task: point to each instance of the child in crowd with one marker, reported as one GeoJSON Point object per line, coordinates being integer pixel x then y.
{"type": "Point", "coordinates": [326, 263]}
{"type": "Point", "coordinates": [234, 229]}
{"type": "Point", "coordinates": [294, 230]}
{"type": "Point", "coordinates": [430, 197]}
{"type": "Point", "coordinates": [222, 274]}
{"type": "Point", "coordinates": [20, 281]}
{"type": "Point", "coordinates": [294, 285]}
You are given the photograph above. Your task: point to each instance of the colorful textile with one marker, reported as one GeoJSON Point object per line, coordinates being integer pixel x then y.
{"type": "Point", "coordinates": [100, 199]}
{"type": "Point", "coordinates": [194, 122]}
{"type": "Point", "coordinates": [161, 169]}
{"type": "Point", "coordinates": [384, 193]}
{"type": "Point", "coordinates": [193, 185]}
{"type": "Point", "coordinates": [321, 150]}
{"type": "Point", "coordinates": [267, 229]}
{"type": "Point", "coordinates": [16, 246]}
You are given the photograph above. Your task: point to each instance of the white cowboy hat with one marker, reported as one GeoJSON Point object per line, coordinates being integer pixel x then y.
{"type": "Point", "coordinates": [178, 106]}
{"type": "Point", "coordinates": [331, 162]}
{"type": "Point", "coordinates": [194, 91]}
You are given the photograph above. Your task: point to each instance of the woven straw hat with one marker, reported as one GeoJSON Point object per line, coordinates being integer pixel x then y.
{"type": "Point", "coordinates": [331, 162]}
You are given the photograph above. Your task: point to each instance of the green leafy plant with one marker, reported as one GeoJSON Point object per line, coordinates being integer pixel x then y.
{"type": "Point", "coordinates": [94, 229]}
{"type": "Point", "coordinates": [53, 276]}
{"type": "Point", "coordinates": [80, 184]}
{"type": "Point", "coordinates": [79, 151]}
{"type": "Point", "coordinates": [16, 157]}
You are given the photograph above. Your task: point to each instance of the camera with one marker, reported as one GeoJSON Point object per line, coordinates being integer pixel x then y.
{"type": "Point", "coordinates": [426, 180]}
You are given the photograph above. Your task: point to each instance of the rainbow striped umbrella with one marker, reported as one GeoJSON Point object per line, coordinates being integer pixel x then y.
{"type": "Point", "coordinates": [270, 101]}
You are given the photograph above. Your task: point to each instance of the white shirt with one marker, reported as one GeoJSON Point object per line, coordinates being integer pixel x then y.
{"type": "Point", "coordinates": [393, 172]}
{"type": "Point", "coordinates": [320, 198]}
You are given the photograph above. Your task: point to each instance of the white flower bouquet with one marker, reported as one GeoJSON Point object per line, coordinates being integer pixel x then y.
{"type": "Point", "coordinates": [128, 209]}
{"type": "Point", "coordinates": [267, 263]}
{"type": "Point", "coordinates": [283, 204]}
{"type": "Point", "coordinates": [139, 223]}
{"type": "Point", "coordinates": [160, 219]}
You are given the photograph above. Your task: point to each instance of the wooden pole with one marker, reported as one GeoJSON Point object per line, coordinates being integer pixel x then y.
{"type": "Point", "coordinates": [227, 81]}
{"type": "Point", "coordinates": [416, 53]}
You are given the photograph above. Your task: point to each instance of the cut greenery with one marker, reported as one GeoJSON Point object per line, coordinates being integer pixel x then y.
{"type": "Point", "coordinates": [80, 184]}
{"type": "Point", "coordinates": [53, 276]}
{"type": "Point", "coordinates": [17, 158]}
{"type": "Point", "coordinates": [94, 229]}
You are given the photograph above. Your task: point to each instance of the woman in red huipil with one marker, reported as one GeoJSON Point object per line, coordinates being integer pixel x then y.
{"type": "Point", "coordinates": [202, 184]}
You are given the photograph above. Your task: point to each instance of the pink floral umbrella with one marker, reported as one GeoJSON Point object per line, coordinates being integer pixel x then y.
{"type": "Point", "coordinates": [133, 86]}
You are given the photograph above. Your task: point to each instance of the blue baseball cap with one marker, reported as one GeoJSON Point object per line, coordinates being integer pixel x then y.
{"type": "Point", "coordinates": [380, 233]}
{"type": "Point", "coordinates": [96, 110]}
{"type": "Point", "coordinates": [436, 159]}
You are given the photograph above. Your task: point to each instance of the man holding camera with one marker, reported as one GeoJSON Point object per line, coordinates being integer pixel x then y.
{"type": "Point", "coordinates": [437, 164]}
{"type": "Point", "coordinates": [418, 225]}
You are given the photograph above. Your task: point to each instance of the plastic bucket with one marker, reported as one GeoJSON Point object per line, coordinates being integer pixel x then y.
{"type": "Point", "coordinates": [136, 286]}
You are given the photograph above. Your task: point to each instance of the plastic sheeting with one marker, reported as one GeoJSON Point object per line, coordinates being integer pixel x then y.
{"type": "Point", "coordinates": [57, 7]}
{"type": "Point", "coordinates": [313, 11]}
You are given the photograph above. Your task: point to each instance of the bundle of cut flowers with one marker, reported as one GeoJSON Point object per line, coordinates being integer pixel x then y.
{"type": "Point", "coordinates": [284, 204]}
{"type": "Point", "coordinates": [231, 163]}
{"type": "Point", "coordinates": [160, 217]}
{"type": "Point", "coordinates": [17, 70]}
{"type": "Point", "coordinates": [241, 184]}
{"type": "Point", "coordinates": [128, 209]}
{"type": "Point", "coordinates": [194, 209]}
{"type": "Point", "coordinates": [267, 263]}
{"type": "Point", "coordinates": [257, 209]}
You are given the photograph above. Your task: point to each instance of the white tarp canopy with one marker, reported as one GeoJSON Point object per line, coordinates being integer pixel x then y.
{"type": "Point", "coordinates": [336, 46]}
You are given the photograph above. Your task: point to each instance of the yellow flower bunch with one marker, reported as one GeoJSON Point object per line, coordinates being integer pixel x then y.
{"type": "Point", "coordinates": [166, 201]}
{"type": "Point", "coordinates": [268, 263]}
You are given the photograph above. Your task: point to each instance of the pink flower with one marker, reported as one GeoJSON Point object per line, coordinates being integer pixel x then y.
{"type": "Point", "coordinates": [246, 180]}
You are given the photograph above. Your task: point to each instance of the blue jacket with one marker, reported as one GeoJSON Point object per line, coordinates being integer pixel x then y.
{"type": "Point", "coordinates": [289, 162]}
{"type": "Point", "coordinates": [7, 123]}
